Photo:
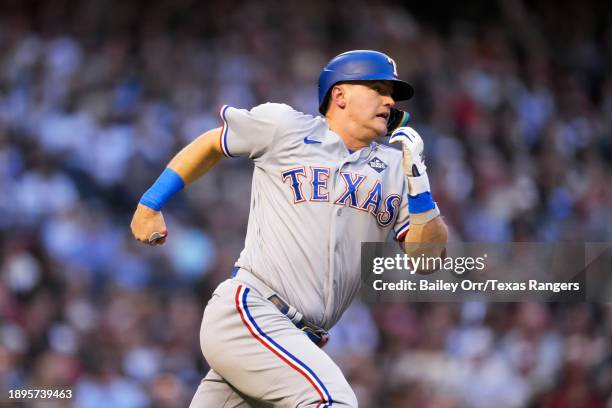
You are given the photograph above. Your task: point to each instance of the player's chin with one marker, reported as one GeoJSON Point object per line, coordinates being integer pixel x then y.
{"type": "Point", "coordinates": [380, 127]}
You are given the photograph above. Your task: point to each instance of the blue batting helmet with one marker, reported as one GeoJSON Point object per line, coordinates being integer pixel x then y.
{"type": "Point", "coordinates": [361, 65]}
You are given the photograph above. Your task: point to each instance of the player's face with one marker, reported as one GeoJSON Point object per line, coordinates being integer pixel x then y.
{"type": "Point", "coordinates": [369, 104]}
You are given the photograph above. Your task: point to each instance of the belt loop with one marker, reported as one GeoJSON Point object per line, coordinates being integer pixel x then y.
{"type": "Point", "coordinates": [294, 315]}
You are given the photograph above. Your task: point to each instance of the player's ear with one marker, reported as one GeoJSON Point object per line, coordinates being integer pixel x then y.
{"type": "Point", "coordinates": [338, 96]}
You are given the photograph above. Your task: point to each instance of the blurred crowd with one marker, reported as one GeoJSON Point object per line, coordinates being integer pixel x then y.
{"type": "Point", "coordinates": [513, 99]}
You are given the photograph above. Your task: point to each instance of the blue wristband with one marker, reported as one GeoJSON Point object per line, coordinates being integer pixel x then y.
{"type": "Point", "coordinates": [167, 184]}
{"type": "Point", "coordinates": [420, 203]}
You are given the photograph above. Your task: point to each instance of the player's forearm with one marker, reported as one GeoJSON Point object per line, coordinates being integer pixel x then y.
{"type": "Point", "coordinates": [428, 233]}
{"type": "Point", "coordinates": [428, 239]}
{"type": "Point", "coordinates": [189, 164]}
{"type": "Point", "coordinates": [198, 157]}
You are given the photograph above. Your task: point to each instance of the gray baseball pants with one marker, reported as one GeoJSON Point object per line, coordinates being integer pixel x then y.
{"type": "Point", "coordinates": [258, 358]}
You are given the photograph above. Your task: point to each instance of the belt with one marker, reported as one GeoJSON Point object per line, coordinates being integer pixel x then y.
{"type": "Point", "coordinates": [319, 336]}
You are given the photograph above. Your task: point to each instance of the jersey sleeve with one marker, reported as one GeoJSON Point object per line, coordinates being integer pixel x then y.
{"type": "Point", "coordinates": [402, 222]}
{"type": "Point", "coordinates": [247, 133]}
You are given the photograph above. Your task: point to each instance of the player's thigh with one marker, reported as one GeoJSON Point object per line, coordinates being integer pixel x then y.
{"type": "Point", "coordinates": [214, 391]}
{"type": "Point", "coordinates": [262, 354]}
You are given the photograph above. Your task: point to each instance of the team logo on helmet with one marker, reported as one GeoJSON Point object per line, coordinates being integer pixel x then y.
{"type": "Point", "coordinates": [394, 65]}
{"type": "Point", "coordinates": [377, 164]}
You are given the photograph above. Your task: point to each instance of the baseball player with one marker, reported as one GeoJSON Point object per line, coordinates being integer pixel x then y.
{"type": "Point", "coordinates": [321, 186]}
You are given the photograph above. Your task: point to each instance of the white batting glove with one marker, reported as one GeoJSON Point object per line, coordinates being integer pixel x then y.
{"type": "Point", "coordinates": [412, 161]}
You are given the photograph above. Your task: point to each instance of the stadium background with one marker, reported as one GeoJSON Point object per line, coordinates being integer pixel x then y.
{"type": "Point", "coordinates": [513, 98]}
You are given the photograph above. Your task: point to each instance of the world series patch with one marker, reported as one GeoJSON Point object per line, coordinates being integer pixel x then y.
{"type": "Point", "coordinates": [377, 164]}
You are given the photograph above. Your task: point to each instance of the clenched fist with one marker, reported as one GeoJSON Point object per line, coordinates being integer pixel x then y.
{"type": "Point", "coordinates": [148, 226]}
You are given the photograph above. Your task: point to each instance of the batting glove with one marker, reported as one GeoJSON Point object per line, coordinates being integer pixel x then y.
{"type": "Point", "coordinates": [413, 163]}
{"type": "Point", "coordinates": [412, 146]}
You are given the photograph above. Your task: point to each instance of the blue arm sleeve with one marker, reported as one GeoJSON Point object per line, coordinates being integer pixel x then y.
{"type": "Point", "coordinates": [420, 203]}
{"type": "Point", "coordinates": [167, 185]}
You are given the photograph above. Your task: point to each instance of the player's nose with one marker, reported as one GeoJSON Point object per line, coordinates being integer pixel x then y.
{"type": "Point", "coordinates": [388, 101]}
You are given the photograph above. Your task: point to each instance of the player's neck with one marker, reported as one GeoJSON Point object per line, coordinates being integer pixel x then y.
{"type": "Point", "coordinates": [349, 133]}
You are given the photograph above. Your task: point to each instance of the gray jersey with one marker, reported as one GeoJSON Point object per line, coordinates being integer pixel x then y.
{"type": "Point", "coordinates": [312, 204]}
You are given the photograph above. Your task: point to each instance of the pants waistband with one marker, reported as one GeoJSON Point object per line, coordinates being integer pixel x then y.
{"type": "Point", "coordinates": [264, 290]}
{"type": "Point", "coordinates": [252, 281]}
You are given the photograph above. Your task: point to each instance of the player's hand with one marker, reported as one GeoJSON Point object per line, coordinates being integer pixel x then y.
{"type": "Point", "coordinates": [412, 146]}
{"type": "Point", "coordinates": [148, 226]}
{"type": "Point", "coordinates": [397, 119]}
